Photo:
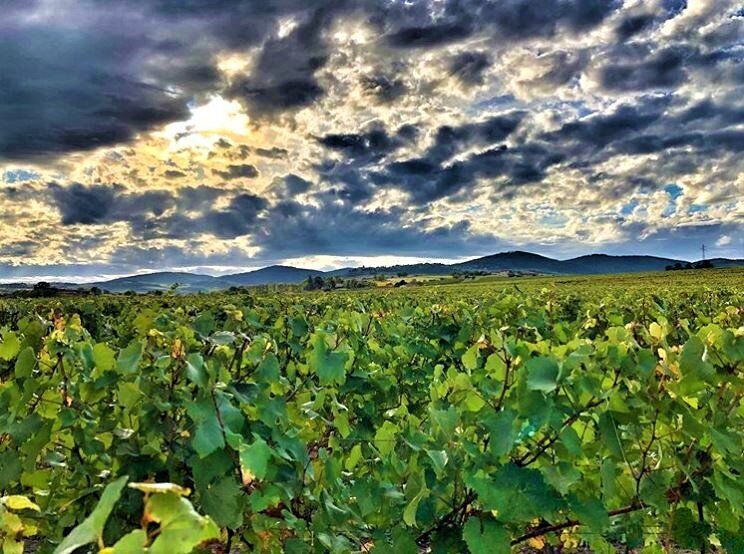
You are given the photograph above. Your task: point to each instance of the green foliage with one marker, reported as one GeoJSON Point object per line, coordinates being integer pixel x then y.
{"type": "Point", "coordinates": [450, 418]}
{"type": "Point", "coordinates": [170, 523]}
{"type": "Point", "coordinates": [91, 529]}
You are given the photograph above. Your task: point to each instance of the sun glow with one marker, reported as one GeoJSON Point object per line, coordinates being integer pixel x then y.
{"type": "Point", "coordinates": [218, 117]}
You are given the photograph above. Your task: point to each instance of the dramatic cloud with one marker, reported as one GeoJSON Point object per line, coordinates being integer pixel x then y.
{"type": "Point", "coordinates": [151, 134]}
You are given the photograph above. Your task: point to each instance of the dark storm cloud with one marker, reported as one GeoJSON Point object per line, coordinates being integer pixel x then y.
{"type": "Point", "coordinates": [508, 19]}
{"type": "Point", "coordinates": [276, 98]}
{"type": "Point", "coordinates": [105, 82]}
{"type": "Point", "coordinates": [430, 177]}
{"type": "Point", "coordinates": [285, 228]}
{"type": "Point", "coordinates": [274, 152]}
{"type": "Point", "coordinates": [238, 171]}
{"type": "Point", "coordinates": [633, 24]}
{"type": "Point", "coordinates": [293, 229]}
{"type": "Point", "coordinates": [284, 76]}
{"type": "Point", "coordinates": [236, 220]}
{"type": "Point", "coordinates": [174, 174]}
{"type": "Point", "coordinates": [184, 213]}
{"type": "Point", "coordinates": [296, 185]}
{"type": "Point", "coordinates": [54, 98]}
{"type": "Point", "coordinates": [598, 130]}
{"type": "Point", "coordinates": [714, 142]}
{"type": "Point", "coordinates": [709, 112]}
{"type": "Point", "coordinates": [663, 69]}
{"type": "Point", "coordinates": [427, 178]}
{"type": "Point", "coordinates": [521, 19]}
{"type": "Point", "coordinates": [373, 144]}
{"type": "Point", "coordinates": [469, 67]}
{"type": "Point", "coordinates": [450, 140]}
{"type": "Point", "coordinates": [382, 88]}
{"type": "Point", "coordinates": [430, 35]}
{"type": "Point", "coordinates": [96, 204]}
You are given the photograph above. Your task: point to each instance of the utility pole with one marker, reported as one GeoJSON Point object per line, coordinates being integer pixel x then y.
{"type": "Point", "coordinates": [703, 249]}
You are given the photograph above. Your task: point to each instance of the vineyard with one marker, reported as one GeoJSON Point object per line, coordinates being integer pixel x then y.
{"type": "Point", "coordinates": [597, 413]}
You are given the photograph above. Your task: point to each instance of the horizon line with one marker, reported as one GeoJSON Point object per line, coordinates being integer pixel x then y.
{"type": "Point", "coordinates": [233, 270]}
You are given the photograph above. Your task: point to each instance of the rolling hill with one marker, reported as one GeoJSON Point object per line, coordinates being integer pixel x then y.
{"type": "Point", "coordinates": [163, 280]}
{"type": "Point", "coordinates": [282, 274]}
{"type": "Point", "coordinates": [273, 274]}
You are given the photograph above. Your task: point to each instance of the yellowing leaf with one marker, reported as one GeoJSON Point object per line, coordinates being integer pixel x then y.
{"type": "Point", "coordinates": [18, 502]}
{"type": "Point", "coordinates": [160, 488]}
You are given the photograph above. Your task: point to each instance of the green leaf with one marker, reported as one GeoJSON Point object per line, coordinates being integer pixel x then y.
{"type": "Point", "coordinates": [591, 512]}
{"type": "Point", "coordinates": [687, 531]}
{"type": "Point", "coordinates": [485, 536]}
{"type": "Point", "coordinates": [470, 358]}
{"type": "Point", "coordinates": [268, 369]}
{"type": "Point", "coordinates": [439, 459]}
{"type": "Point", "coordinates": [416, 486]}
{"type": "Point", "coordinates": [104, 357]}
{"type": "Point", "coordinates": [496, 367]}
{"type": "Point", "coordinates": [610, 434]}
{"type": "Point", "coordinates": [353, 458]}
{"type": "Point", "coordinates": [91, 529]}
{"type": "Point", "coordinates": [221, 501]}
{"type": "Point", "coordinates": [694, 369]}
{"type": "Point", "coordinates": [10, 346]}
{"type": "Point", "coordinates": [195, 370]}
{"type": "Point", "coordinates": [208, 435]}
{"type": "Point", "coordinates": [25, 363]}
{"type": "Point", "coordinates": [501, 432]}
{"type": "Point", "coordinates": [131, 543]}
{"type": "Point", "coordinates": [542, 374]}
{"type": "Point", "coordinates": [255, 457]}
{"type": "Point", "coordinates": [517, 494]}
{"type": "Point", "coordinates": [385, 438]}
{"type": "Point", "coordinates": [129, 358]}
{"type": "Point", "coordinates": [181, 527]}
{"type": "Point", "coordinates": [10, 468]}
{"type": "Point", "coordinates": [329, 365]}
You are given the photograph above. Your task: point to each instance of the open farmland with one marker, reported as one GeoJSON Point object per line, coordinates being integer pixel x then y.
{"type": "Point", "coordinates": [599, 412]}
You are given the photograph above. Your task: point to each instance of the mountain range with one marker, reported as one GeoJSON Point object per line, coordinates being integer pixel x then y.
{"type": "Point", "coordinates": [517, 261]}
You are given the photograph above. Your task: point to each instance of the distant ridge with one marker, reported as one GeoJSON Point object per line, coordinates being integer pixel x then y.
{"type": "Point", "coordinates": [273, 274]}
{"type": "Point", "coordinates": [282, 274]}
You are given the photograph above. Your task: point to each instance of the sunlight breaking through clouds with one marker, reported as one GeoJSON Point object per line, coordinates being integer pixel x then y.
{"type": "Point", "coordinates": [224, 135]}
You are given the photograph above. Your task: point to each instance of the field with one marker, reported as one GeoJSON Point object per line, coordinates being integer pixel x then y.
{"type": "Point", "coordinates": [595, 412]}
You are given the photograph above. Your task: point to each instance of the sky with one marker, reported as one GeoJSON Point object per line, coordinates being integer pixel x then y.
{"type": "Point", "coordinates": [141, 135]}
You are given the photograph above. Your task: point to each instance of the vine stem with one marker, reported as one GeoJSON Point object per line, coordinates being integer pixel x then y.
{"type": "Point", "coordinates": [573, 523]}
